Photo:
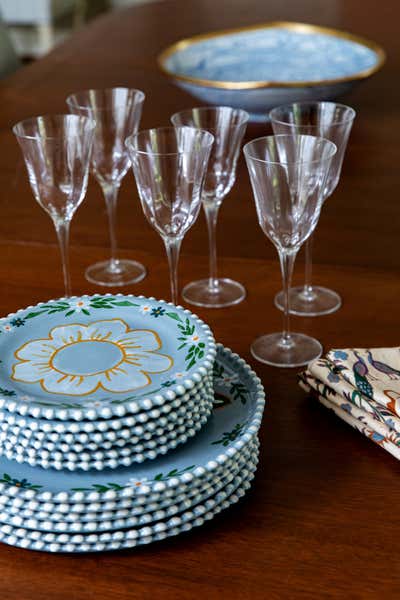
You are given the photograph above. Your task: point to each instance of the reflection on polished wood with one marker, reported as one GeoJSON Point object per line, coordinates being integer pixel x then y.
{"type": "Point", "coordinates": [321, 520]}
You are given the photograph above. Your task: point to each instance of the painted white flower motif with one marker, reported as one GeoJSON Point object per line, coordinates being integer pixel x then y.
{"type": "Point", "coordinates": [7, 327]}
{"type": "Point", "coordinates": [26, 398]}
{"type": "Point", "coordinates": [94, 403]}
{"type": "Point", "coordinates": [179, 375]}
{"type": "Point", "coordinates": [137, 482]}
{"type": "Point", "coordinates": [145, 309]}
{"type": "Point", "coordinates": [77, 359]}
{"type": "Point", "coordinates": [194, 339]}
{"type": "Point", "coordinates": [228, 379]}
{"type": "Point", "coordinates": [80, 304]}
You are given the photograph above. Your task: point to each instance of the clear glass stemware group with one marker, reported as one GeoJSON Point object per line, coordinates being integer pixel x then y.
{"type": "Point", "coordinates": [333, 122]}
{"type": "Point", "coordinates": [192, 163]}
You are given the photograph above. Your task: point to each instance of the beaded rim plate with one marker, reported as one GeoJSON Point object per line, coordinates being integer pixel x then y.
{"type": "Point", "coordinates": [234, 423]}
{"type": "Point", "coordinates": [88, 429]}
{"type": "Point", "coordinates": [67, 518]}
{"type": "Point", "coordinates": [132, 537]}
{"type": "Point", "coordinates": [115, 523]}
{"type": "Point", "coordinates": [92, 357]}
{"type": "Point", "coordinates": [78, 512]}
{"type": "Point", "coordinates": [13, 436]}
{"type": "Point", "coordinates": [111, 459]}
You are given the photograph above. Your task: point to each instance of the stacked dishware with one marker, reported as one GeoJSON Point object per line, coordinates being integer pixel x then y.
{"type": "Point", "coordinates": [121, 422]}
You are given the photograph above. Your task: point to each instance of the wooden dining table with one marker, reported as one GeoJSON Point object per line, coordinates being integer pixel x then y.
{"type": "Point", "coordinates": [321, 519]}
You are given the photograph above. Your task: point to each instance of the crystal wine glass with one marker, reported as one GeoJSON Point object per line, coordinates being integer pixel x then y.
{"type": "Point", "coordinates": [56, 150]}
{"type": "Point", "coordinates": [288, 175]}
{"type": "Point", "coordinates": [333, 122]}
{"type": "Point", "coordinates": [169, 165]}
{"type": "Point", "coordinates": [228, 126]}
{"type": "Point", "coordinates": [117, 113]}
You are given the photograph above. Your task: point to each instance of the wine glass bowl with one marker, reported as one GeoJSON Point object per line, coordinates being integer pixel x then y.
{"type": "Point", "coordinates": [288, 175]}
{"type": "Point", "coordinates": [228, 126]}
{"type": "Point", "coordinates": [56, 151]}
{"type": "Point", "coordinates": [169, 166]}
{"type": "Point", "coordinates": [116, 112]}
{"type": "Point", "coordinates": [331, 121]}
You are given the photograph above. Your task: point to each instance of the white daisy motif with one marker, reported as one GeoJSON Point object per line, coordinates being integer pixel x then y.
{"type": "Point", "coordinates": [7, 327]}
{"type": "Point", "coordinates": [94, 403]}
{"type": "Point", "coordinates": [137, 482]}
{"type": "Point", "coordinates": [194, 339]}
{"type": "Point", "coordinates": [78, 359]}
{"type": "Point", "coordinates": [79, 304]}
{"type": "Point", "coordinates": [228, 379]}
{"type": "Point", "coordinates": [179, 375]}
{"type": "Point", "coordinates": [26, 398]}
{"type": "Point", "coordinates": [145, 309]}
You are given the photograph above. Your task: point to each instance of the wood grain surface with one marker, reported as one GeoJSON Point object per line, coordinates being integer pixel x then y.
{"type": "Point", "coordinates": [321, 520]}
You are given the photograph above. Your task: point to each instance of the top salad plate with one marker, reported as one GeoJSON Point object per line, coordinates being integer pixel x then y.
{"type": "Point", "coordinates": [95, 357]}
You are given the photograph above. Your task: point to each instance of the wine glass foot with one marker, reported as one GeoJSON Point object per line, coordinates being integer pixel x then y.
{"type": "Point", "coordinates": [270, 350]}
{"type": "Point", "coordinates": [115, 273]}
{"type": "Point", "coordinates": [226, 293]}
{"type": "Point", "coordinates": [321, 301]}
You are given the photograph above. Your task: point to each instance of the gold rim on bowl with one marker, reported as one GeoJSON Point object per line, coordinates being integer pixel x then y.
{"type": "Point", "coordinates": [247, 85]}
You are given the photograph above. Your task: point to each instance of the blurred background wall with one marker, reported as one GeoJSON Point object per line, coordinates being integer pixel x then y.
{"type": "Point", "coordinates": [35, 26]}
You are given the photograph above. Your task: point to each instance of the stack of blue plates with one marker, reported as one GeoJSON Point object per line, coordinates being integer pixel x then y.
{"type": "Point", "coordinates": [98, 502]}
{"type": "Point", "coordinates": [102, 381]}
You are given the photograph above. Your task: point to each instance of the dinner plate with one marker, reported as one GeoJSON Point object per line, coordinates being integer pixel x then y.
{"type": "Point", "coordinates": [92, 357]}
{"type": "Point", "coordinates": [78, 512]}
{"type": "Point", "coordinates": [235, 421]}
{"type": "Point", "coordinates": [115, 523]}
{"type": "Point", "coordinates": [50, 542]}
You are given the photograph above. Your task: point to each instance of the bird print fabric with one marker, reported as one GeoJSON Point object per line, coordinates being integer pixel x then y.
{"type": "Point", "coordinates": [361, 386]}
{"type": "Point", "coordinates": [374, 372]}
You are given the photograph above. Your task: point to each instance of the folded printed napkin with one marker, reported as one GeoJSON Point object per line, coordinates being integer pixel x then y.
{"type": "Point", "coordinates": [362, 387]}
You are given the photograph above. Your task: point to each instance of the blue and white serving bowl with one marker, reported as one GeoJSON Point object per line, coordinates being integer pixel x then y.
{"type": "Point", "coordinates": [257, 68]}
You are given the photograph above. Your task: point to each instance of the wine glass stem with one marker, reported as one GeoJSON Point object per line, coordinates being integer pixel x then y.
{"type": "Point", "coordinates": [211, 211]}
{"type": "Point", "coordinates": [110, 196]}
{"type": "Point", "coordinates": [308, 290]}
{"type": "Point", "coordinates": [287, 262]}
{"type": "Point", "coordinates": [62, 229]}
{"type": "Point", "coordinates": [172, 247]}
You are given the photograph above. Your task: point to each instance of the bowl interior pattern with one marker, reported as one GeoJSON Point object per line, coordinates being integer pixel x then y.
{"type": "Point", "coordinates": [272, 54]}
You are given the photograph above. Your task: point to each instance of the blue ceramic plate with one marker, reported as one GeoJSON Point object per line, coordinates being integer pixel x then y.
{"type": "Point", "coordinates": [108, 459]}
{"type": "Point", "coordinates": [104, 441]}
{"type": "Point", "coordinates": [76, 521]}
{"type": "Point", "coordinates": [94, 357]}
{"type": "Point", "coordinates": [103, 523]}
{"type": "Point", "coordinates": [77, 514]}
{"type": "Point", "coordinates": [129, 538]}
{"type": "Point", "coordinates": [100, 430]}
{"type": "Point", "coordinates": [259, 67]}
{"type": "Point", "coordinates": [235, 421]}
